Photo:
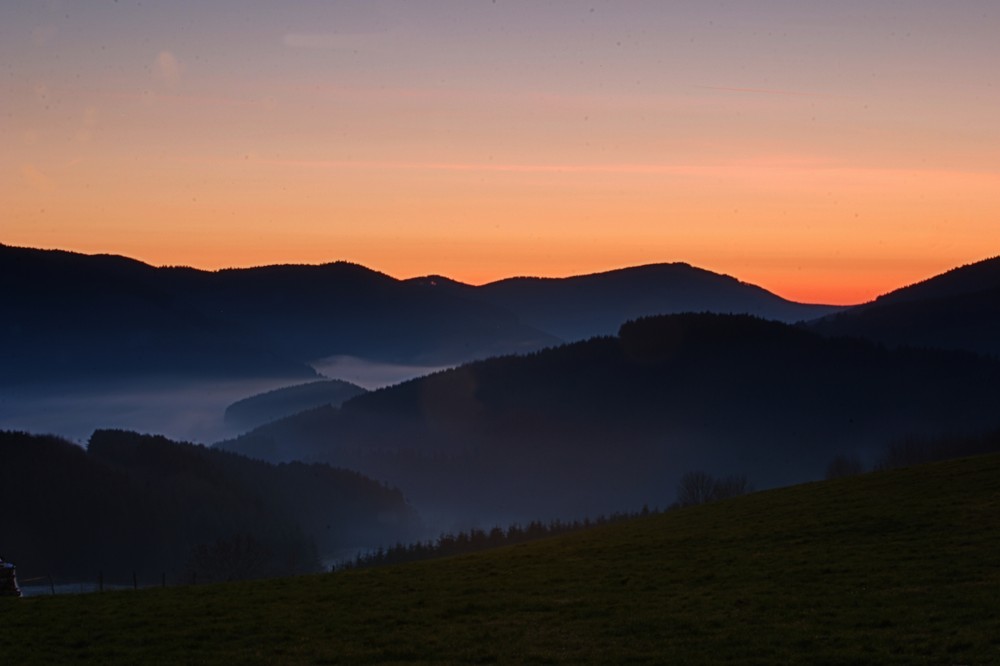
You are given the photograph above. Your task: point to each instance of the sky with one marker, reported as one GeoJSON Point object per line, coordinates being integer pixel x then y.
{"type": "Point", "coordinates": [826, 151]}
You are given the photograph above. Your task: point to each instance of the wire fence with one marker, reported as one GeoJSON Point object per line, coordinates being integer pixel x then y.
{"type": "Point", "coordinates": [48, 585]}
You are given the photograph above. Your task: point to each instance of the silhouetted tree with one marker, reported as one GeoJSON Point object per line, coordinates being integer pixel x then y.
{"type": "Point", "coordinates": [695, 488]}
{"type": "Point", "coordinates": [134, 502]}
{"type": "Point", "coordinates": [476, 539]}
{"type": "Point", "coordinates": [843, 466]}
{"type": "Point", "coordinates": [733, 485]}
{"type": "Point", "coordinates": [905, 452]}
{"type": "Point", "coordinates": [699, 487]}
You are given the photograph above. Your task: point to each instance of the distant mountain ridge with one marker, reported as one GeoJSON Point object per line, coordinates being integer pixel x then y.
{"type": "Point", "coordinates": [582, 306]}
{"type": "Point", "coordinates": [75, 316]}
{"type": "Point", "coordinates": [72, 316]}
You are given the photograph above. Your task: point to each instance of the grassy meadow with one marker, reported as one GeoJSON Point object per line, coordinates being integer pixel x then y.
{"type": "Point", "coordinates": [897, 567]}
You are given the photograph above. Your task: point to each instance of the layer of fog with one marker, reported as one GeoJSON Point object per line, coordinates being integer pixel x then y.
{"type": "Point", "coordinates": [190, 411]}
{"type": "Point", "coordinates": [371, 375]}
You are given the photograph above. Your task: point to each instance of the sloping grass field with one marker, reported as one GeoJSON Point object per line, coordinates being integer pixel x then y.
{"type": "Point", "coordinates": [898, 567]}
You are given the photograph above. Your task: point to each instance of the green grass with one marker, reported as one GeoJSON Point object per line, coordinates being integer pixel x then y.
{"type": "Point", "coordinates": [896, 567]}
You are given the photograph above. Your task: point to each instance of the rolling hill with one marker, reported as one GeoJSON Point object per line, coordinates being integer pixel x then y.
{"type": "Point", "coordinates": [270, 406]}
{"type": "Point", "coordinates": [584, 306]}
{"type": "Point", "coordinates": [959, 309]}
{"type": "Point", "coordinates": [612, 423]}
{"type": "Point", "coordinates": [70, 316]}
{"type": "Point", "coordinates": [886, 568]}
{"type": "Point", "coordinates": [74, 317]}
{"type": "Point", "coordinates": [77, 317]}
{"type": "Point", "coordinates": [139, 503]}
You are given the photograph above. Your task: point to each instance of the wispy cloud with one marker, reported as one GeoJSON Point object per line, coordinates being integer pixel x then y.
{"type": "Point", "coordinates": [325, 41]}
{"type": "Point", "coordinates": [167, 67]}
{"type": "Point", "coordinates": [35, 179]}
{"type": "Point", "coordinates": [764, 167]}
{"type": "Point", "coordinates": [148, 96]}
{"type": "Point", "coordinates": [551, 168]}
{"type": "Point", "coordinates": [765, 91]}
{"type": "Point", "coordinates": [477, 166]}
{"type": "Point", "coordinates": [347, 26]}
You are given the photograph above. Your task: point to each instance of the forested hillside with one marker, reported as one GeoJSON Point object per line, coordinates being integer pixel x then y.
{"type": "Point", "coordinates": [959, 309]}
{"type": "Point", "coordinates": [612, 423]}
{"type": "Point", "coordinates": [584, 306]}
{"type": "Point", "coordinates": [273, 405]}
{"type": "Point", "coordinates": [139, 503]}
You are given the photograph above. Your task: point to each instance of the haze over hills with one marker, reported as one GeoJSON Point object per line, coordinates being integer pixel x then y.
{"type": "Point", "coordinates": [959, 309]}
{"type": "Point", "coordinates": [611, 423]}
{"type": "Point", "coordinates": [167, 349]}
{"type": "Point", "coordinates": [272, 405]}
{"type": "Point", "coordinates": [565, 431]}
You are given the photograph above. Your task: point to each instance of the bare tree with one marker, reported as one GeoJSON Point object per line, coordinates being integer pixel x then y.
{"type": "Point", "coordinates": [699, 487]}
{"type": "Point", "coordinates": [843, 466]}
{"type": "Point", "coordinates": [906, 452]}
{"type": "Point", "coordinates": [695, 488]}
{"type": "Point", "coordinates": [733, 485]}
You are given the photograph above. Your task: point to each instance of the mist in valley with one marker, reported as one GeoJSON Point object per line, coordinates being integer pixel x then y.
{"type": "Point", "coordinates": [604, 426]}
{"type": "Point", "coordinates": [190, 410]}
{"type": "Point", "coordinates": [181, 410]}
{"type": "Point", "coordinates": [370, 374]}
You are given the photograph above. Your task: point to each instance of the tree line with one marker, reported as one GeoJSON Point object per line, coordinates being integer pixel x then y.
{"type": "Point", "coordinates": [477, 539]}
{"type": "Point", "coordinates": [132, 503]}
{"type": "Point", "coordinates": [916, 450]}
{"type": "Point", "coordinates": [696, 487]}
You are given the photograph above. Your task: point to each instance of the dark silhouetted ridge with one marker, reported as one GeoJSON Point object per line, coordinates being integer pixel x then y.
{"type": "Point", "coordinates": [140, 503]}
{"type": "Point", "coordinates": [73, 316]}
{"type": "Point", "coordinates": [959, 309]}
{"type": "Point", "coordinates": [578, 307]}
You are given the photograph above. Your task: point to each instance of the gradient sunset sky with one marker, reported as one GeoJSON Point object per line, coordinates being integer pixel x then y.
{"type": "Point", "coordinates": [828, 151]}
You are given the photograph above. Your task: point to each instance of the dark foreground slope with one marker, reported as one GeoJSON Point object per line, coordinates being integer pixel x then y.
{"type": "Point", "coordinates": [612, 423]}
{"type": "Point", "coordinates": [136, 503]}
{"type": "Point", "coordinates": [889, 568]}
{"type": "Point", "coordinates": [959, 309]}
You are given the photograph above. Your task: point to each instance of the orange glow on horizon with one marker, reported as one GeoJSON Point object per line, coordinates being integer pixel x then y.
{"type": "Point", "coordinates": [804, 230]}
{"type": "Point", "coordinates": [829, 163]}
{"type": "Point", "coordinates": [828, 285]}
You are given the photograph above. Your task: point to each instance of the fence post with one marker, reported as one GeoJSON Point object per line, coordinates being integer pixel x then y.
{"type": "Point", "coordinates": [100, 581]}
{"type": "Point", "coordinates": [135, 582]}
{"type": "Point", "coordinates": [52, 585]}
